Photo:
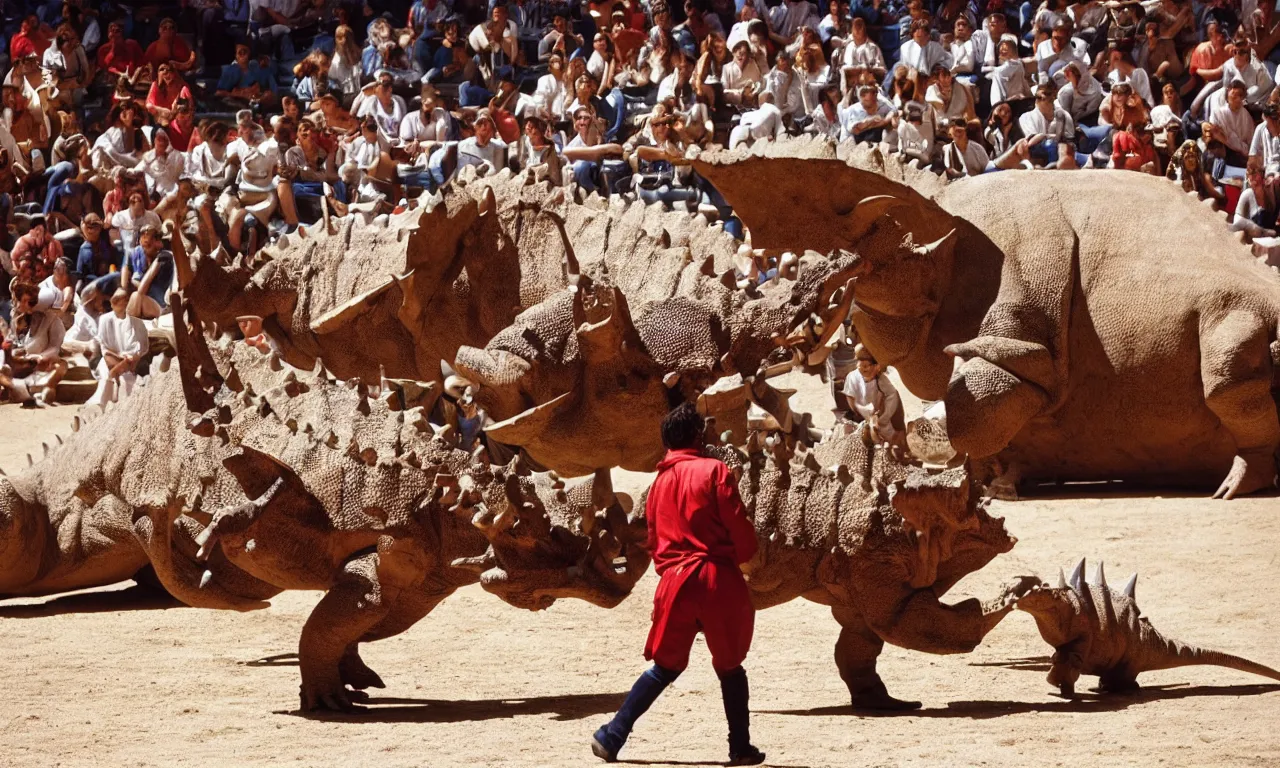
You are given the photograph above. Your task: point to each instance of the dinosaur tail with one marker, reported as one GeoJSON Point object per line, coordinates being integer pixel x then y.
{"type": "Point", "coordinates": [1179, 654]}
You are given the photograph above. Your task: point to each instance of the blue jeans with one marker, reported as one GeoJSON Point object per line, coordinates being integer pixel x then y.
{"type": "Point", "coordinates": [425, 179]}
{"type": "Point", "coordinates": [473, 95]}
{"type": "Point", "coordinates": [613, 108]}
{"type": "Point", "coordinates": [1091, 136]}
{"type": "Point", "coordinates": [585, 172]}
{"type": "Point", "coordinates": [55, 177]}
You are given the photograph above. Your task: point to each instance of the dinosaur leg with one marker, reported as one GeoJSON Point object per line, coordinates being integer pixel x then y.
{"type": "Point", "coordinates": [856, 651]}
{"type": "Point", "coordinates": [991, 397]}
{"type": "Point", "coordinates": [350, 608]}
{"type": "Point", "coordinates": [1118, 681]}
{"type": "Point", "coordinates": [1237, 370]}
{"type": "Point", "coordinates": [1067, 663]}
{"type": "Point", "coordinates": [406, 610]}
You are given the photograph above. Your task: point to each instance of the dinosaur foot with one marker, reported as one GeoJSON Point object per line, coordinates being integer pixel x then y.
{"type": "Point", "coordinates": [1248, 474]}
{"type": "Point", "coordinates": [330, 695]}
{"type": "Point", "coordinates": [1116, 686]}
{"type": "Point", "coordinates": [877, 699]}
{"type": "Point", "coordinates": [356, 673]}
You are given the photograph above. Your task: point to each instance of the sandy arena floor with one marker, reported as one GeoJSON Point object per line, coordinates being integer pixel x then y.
{"type": "Point", "coordinates": [117, 677]}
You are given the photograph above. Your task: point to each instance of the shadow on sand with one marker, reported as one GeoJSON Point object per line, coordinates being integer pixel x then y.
{"type": "Point", "coordinates": [1083, 703]}
{"type": "Point", "coordinates": [386, 709]}
{"type": "Point", "coordinates": [134, 598]}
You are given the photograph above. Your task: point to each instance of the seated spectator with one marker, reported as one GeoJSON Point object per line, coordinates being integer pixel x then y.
{"type": "Point", "coordinates": [1059, 50]}
{"type": "Point", "coordinates": [257, 160]}
{"type": "Point", "coordinates": [550, 93]}
{"type": "Point", "coordinates": [1046, 126]}
{"type": "Point", "coordinates": [207, 163]}
{"type": "Point", "coordinates": [867, 118]}
{"type": "Point", "coordinates": [82, 337]}
{"type": "Point", "coordinates": [708, 78]}
{"type": "Point", "coordinates": [787, 87]}
{"type": "Point", "coordinates": [147, 275]}
{"type": "Point", "coordinates": [307, 169]}
{"type": "Point", "coordinates": [1009, 79]}
{"type": "Point", "coordinates": [814, 73]}
{"type": "Point", "coordinates": [1002, 131]}
{"type": "Point", "coordinates": [244, 82]}
{"type": "Point", "coordinates": [1081, 96]}
{"type": "Point", "coordinates": [182, 129]}
{"type": "Point", "coordinates": [873, 398]}
{"type": "Point", "coordinates": [586, 152]}
{"type": "Point", "coordinates": [308, 73]}
{"type": "Point", "coordinates": [383, 105]}
{"type": "Point", "coordinates": [162, 166]}
{"type": "Point", "coordinates": [34, 253]}
{"type": "Point", "coordinates": [369, 164]}
{"type": "Point", "coordinates": [1245, 68]}
{"type": "Point", "coordinates": [346, 69]}
{"type": "Point", "coordinates": [1231, 126]}
{"type": "Point", "coordinates": [123, 341]}
{"type": "Point", "coordinates": [31, 366]}
{"type": "Point", "coordinates": [1123, 70]}
{"type": "Point", "coordinates": [966, 52]}
{"type": "Point", "coordinates": [1133, 150]}
{"type": "Point", "coordinates": [862, 54]}
{"type": "Point", "coordinates": [57, 292]}
{"type": "Point", "coordinates": [68, 66]}
{"type": "Point", "coordinates": [97, 257]}
{"type": "Point", "coordinates": [1158, 55]}
{"type": "Point", "coordinates": [915, 142]}
{"type": "Point", "coordinates": [1264, 149]}
{"type": "Point", "coordinates": [1207, 60]}
{"type": "Point", "coordinates": [949, 99]}
{"type": "Point", "coordinates": [120, 56]}
{"type": "Point", "coordinates": [32, 39]}
{"type": "Point", "coordinates": [1187, 168]}
{"type": "Point", "coordinates": [963, 157]}
{"type": "Point", "coordinates": [170, 49]}
{"type": "Point", "coordinates": [536, 151]}
{"type": "Point", "coordinates": [921, 53]}
{"type": "Point", "coordinates": [1256, 209]}
{"type": "Point", "coordinates": [123, 143]}
{"type": "Point", "coordinates": [825, 119]}
{"type": "Point", "coordinates": [764, 122]}
{"type": "Point", "coordinates": [560, 39]}
{"type": "Point", "coordinates": [742, 78]}
{"type": "Point", "coordinates": [165, 92]}
{"type": "Point", "coordinates": [127, 225]}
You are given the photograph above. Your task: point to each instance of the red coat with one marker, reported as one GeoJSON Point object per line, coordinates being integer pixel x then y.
{"type": "Point", "coordinates": [698, 535]}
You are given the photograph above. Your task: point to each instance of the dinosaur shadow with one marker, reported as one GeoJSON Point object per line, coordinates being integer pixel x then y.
{"type": "Point", "coordinates": [1083, 703]}
{"type": "Point", "coordinates": [1115, 489]}
{"type": "Point", "coordinates": [135, 598]}
{"type": "Point", "coordinates": [387, 709]}
{"type": "Point", "coordinates": [766, 764]}
{"type": "Point", "coordinates": [1026, 664]}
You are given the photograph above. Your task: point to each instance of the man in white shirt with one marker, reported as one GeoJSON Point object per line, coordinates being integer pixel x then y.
{"type": "Point", "coordinates": [861, 53]}
{"type": "Point", "coordinates": [963, 157]}
{"type": "Point", "coordinates": [873, 398]}
{"type": "Point", "coordinates": [124, 342]}
{"type": "Point", "coordinates": [483, 148]}
{"type": "Point", "coordinates": [786, 19]}
{"type": "Point", "coordinates": [1232, 126]}
{"type": "Point", "coordinates": [765, 122]}
{"type": "Point", "coordinates": [1246, 68]}
{"type": "Point", "coordinates": [1059, 51]}
{"type": "Point", "coordinates": [867, 118]}
{"type": "Point", "coordinates": [786, 85]}
{"type": "Point", "coordinates": [587, 153]}
{"type": "Point", "coordinates": [1265, 147]}
{"type": "Point", "coordinates": [967, 52]}
{"type": "Point", "coordinates": [1046, 126]}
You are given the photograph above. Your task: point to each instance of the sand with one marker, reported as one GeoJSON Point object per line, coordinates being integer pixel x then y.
{"type": "Point", "coordinates": [119, 677]}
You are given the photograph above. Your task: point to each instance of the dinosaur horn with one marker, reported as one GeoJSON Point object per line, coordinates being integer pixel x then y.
{"type": "Point", "coordinates": [1131, 586]}
{"type": "Point", "coordinates": [1099, 578]}
{"type": "Point", "coordinates": [1077, 577]}
{"type": "Point", "coordinates": [1062, 579]}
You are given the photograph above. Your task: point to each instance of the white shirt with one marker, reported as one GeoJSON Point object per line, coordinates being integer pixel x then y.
{"type": "Point", "coordinates": [957, 108]}
{"type": "Point", "coordinates": [922, 59]}
{"type": "Point", "coordinates": [974, 158]}
{"type": "Point", "coordinates": [163, 172]}
{"type": "Point", "coordinates": [435, 128]}
{"type": "Point", "coordinates": [786, 89]}
{"type": "Point", "coordinates": [130, 226]}
{"type": "Point", "coordinates": [1267, 147]}
{"type": "Point", "coordinates": [204, 167]}
{"type": "Point", "coordinates": [551, 94]}
{"type": "Point", "coordinates": [1255, 76]}
{"type": "Point", "coordinates": [388, 117]}
{"type": "Point", "coordinates": [1009, 82]}
{"type": "Point", "coordinates": [1138, 79]}
{"type": "Point", "coordinates": [736, 78]}
{"type": "Point", "coordinates": [966, 55]}
{"type": "Point", "coordinates": [1058, 127]}
{"type": "Point", "coordinates": [865, 55]}
{"type": "Point", "coordinates": [122, 335]}
{"type": "Point", "coordinates": [84, 328]}
{"type": "Point", "coordinates": [762, 123]}
{"type": "Point", "coordinates": [1237, 126]}
{"type": "Point", "coordinates": [471, 153]}
{"type": "Point", "coordinates": [856, 113]}
{"type": "Point", "coordinates": [872, 397]}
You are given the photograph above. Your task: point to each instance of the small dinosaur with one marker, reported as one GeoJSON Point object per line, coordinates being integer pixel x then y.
{"type": "Point", "coordinates": [1096, 630]}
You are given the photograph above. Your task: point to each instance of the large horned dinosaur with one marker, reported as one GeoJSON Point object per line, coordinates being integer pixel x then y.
{"type": "Point", "coordinates": [1096, 630]}
{"type": "Point", "coordinates": [582, 380]}
{"type": "Point", "coordinates": [290, 480]}
{"type": "Point", "coordinates": [880, 542]}
{"type": "Point", "coordinates": [400, 294]}
{"type": "Point", "coordinates": [1092, 345]}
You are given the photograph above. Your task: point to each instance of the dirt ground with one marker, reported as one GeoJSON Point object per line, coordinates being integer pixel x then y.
{"type": "Point", "coordinates": [117, 677]}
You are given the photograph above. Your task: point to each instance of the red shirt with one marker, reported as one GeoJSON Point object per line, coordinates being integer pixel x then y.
{"type": "Point", "coordinates": [178, 51]}
{"type": "Point", "coordinates": [165, 100]}
{"type": "Point", "coordinates": [1131, 153]}
{"type": "Point", "coordinates": [183, 137]}
{"type": "Point", "coordinates": [120, 59]}
{"type": "Point", "coordinates": [24, 45]}
{"type": "Point", "coordinates": [694, 513]}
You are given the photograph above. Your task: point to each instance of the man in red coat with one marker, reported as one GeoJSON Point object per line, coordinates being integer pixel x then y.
{"type": "Point", "coordinates": [699, 535]}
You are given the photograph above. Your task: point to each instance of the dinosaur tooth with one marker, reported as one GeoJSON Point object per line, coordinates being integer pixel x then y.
{"type": "Point", "coordinates": [205, 578]}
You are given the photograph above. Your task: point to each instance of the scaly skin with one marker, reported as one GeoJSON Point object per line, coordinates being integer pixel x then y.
{"type": "Point", "coordinates": [1096, 630]}
{"type": "Point", "coordinates": [340, 487]}
{"type": "Point", "coordinates": [1083, 354]}
{"type": "Point", "coordinates": [880, 542]}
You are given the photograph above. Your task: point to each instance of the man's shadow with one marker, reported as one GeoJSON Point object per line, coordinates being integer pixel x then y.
{"type": "Point", "coordinates": [389, 709]}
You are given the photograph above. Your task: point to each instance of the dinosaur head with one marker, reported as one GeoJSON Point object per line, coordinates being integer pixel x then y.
{"type": "Point", "coordinates": [1054, 609]}
{"type": "Point", "coordinates": [549, 541]}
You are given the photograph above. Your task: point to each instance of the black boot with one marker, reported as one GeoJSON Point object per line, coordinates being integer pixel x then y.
{"type": "Point", "coordinates": [608, 740]}
{"type": "Point", "coordinates": [733, 688]}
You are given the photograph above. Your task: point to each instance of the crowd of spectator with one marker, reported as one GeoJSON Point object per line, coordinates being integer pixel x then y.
{"type": "Point", "coordinates": [118, 121]}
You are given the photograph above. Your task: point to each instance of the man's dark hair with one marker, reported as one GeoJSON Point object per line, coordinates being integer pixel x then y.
{"type": "Point", "coordinates": [682, 428]}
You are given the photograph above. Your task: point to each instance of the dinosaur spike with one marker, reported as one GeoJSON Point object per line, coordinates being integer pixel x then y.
{"type": "Point", "coordinates": [1099, 577]}
{"type": "Point", "coordinates": [1131, 586]}
{"type": "Point", "coordinates": [45, 446]}
{"type": "Point", "coordinates": [205, 578]}
{"type": "Point", "coordinates": [75, 424]}
{"type": "Point", "coordinates": [1077, 577]}
{"type": "Point", "coordinates": [1062, 579]}
{"type": "Point", "coordinates": [30, 461]}
{"type": "Point", "coordinates": [58, 438]}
